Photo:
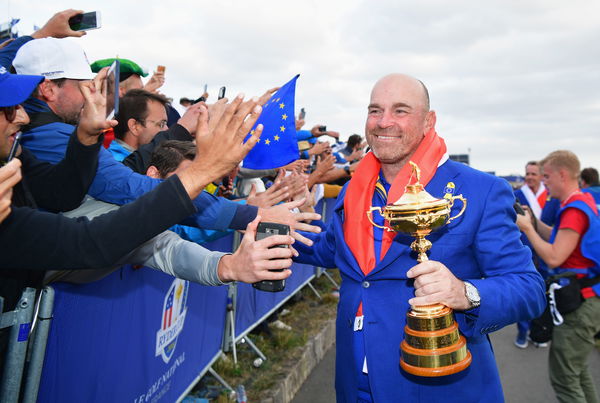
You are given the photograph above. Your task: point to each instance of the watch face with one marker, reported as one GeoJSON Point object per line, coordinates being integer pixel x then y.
{"type": "Point", "coordinates": [472, 293]}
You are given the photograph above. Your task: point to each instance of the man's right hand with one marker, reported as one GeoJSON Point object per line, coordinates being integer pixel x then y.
{"type": "Point", "coordinates": [10, 175]}
{"type": "Point", "coordinates": [58, 26]}
{"type": "Point", "coordinates": [189, 120]}
{"type": "Point", "coordinates": [282, 214]}
{"type": "Point", "coordinates": [319, 148]}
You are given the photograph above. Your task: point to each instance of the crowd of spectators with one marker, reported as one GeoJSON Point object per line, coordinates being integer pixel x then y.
{"type": "Point", "coordinates": [89, 193]}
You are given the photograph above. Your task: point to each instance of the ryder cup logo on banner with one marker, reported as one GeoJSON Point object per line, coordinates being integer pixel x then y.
{"type": "Point", "coordinates": [173, 318]}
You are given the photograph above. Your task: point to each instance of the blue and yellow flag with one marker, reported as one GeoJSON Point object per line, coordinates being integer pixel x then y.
{"type": "Point", "coordinates": [277, 146]}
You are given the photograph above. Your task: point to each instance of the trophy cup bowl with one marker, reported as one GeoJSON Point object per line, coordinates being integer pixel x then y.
{"type": "Point", "coordinates": [432, 344]}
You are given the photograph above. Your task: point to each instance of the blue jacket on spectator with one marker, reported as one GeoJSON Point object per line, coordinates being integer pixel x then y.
{"type": "Point", "coordinates": [118, 151]}
{"type": "Point", "coordinates": [114, 182]}
{"type": "Point", "coordinates": [188, 233]}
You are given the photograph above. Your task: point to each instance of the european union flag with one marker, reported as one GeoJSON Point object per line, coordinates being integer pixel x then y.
{"type": "Point", "coordinates": [277, 146]}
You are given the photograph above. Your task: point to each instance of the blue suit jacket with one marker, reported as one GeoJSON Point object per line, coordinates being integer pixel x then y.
{"type": "Point", "coordinates": [483, 246]}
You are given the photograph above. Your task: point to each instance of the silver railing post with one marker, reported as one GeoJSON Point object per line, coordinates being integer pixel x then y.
{"type": "Point", "coordinates": [19, 321]}
{"type": "Point", "coordinates": [38, 346]}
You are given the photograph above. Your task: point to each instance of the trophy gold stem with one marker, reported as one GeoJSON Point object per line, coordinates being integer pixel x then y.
{"type": "Point", "coordinates": [432, 344]}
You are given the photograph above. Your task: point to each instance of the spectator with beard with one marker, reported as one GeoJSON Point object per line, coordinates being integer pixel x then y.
{"type": "Point", "coordinates": [47, 133]}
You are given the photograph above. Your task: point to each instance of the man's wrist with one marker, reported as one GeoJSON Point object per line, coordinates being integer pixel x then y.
{"type": "Point", "coordinates": [86, 138]}
{"type": "Point", "coordinates": [224, 269]}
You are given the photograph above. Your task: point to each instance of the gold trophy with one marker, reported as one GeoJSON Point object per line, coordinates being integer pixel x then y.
{"type": "Point", "coordinates": [432, 345]}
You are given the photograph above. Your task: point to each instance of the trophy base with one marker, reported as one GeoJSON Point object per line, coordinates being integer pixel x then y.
{"type": "Point", "coordinates": [432, 345]}
{"type": "Point", "coordinates": [435, 372]}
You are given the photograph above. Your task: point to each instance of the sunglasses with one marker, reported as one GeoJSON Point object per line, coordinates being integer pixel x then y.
{"type": "Point", "coordinates": [10, 112]}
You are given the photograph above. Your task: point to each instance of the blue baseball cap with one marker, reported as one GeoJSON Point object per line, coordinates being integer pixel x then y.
{"type": "Point", "coordinates": [15, 88]}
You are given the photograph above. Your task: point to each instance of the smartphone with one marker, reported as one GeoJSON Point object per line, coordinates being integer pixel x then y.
{"type": "Point", "coordinates": [264, 230]}
{"type": "Point", "coordinates": [221, 93]}
{"type": "Point", "coordinates": [112, 90]}
{"type": "Point", "coordinates": [226, 181]}
{"type": "Point", "coordinates": [202, 98]}
{"type": "Point", "coordinates": [518, 208]}
{"type": "Point", "coordinates": [85, 21]}
{"type": "Point", "coordinates": [322, 129]}
{"type": "Point", "coordinates": [15, 146]}
{"type": "Point", "coordinates": [302, 114]}
{"type": "Point", "coordinates": [160, 69]}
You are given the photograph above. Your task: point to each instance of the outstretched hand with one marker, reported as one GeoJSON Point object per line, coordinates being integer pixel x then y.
{"type": "Point", "coordinates": [220, 146]}
{"type": "Point", "coordinates": [277, 193]}
{"type": "Point", "coordinates": [254, 260]}
{"type": "Point", "coordinates": [155, 82]}
{"type": "Point", "coordinates": [282, 214]}
{"type": "Point", "coordinates": [92, 121]}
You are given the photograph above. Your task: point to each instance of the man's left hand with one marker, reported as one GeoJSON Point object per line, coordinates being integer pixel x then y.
{"type": "Point", "coordinates": [435, 283]}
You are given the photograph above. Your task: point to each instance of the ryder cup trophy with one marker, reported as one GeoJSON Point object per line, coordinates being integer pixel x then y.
{"type": "Point", "coordinates": [432, 345]}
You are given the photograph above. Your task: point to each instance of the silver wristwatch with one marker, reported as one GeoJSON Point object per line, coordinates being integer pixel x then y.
{"type": "Point", "coordinates": [472, 295]}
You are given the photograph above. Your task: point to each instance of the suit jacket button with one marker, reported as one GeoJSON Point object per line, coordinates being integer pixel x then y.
{"type": "Point", "coordinates": [366, 284]}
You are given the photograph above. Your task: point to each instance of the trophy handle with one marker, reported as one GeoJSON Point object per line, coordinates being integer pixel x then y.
{"type": "Point", "coordinates": [370, 217]}
{"type": "Point", "coordinates": [464, 202]}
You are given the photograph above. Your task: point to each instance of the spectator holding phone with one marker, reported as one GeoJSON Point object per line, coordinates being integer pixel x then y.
{"type": "Point", "coordinates": [115, 183]}
{"type": "Point", "coordinates": [570, 246]}
{"type": "Point", "coordinates": [41, 241]}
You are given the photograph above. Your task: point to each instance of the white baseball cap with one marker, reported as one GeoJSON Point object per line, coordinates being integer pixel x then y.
{"type": "Point", "coordinates": [53, 58]}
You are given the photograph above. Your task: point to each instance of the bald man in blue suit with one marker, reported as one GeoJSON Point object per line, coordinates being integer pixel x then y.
{"type": "Point", "coordinates": [481, 252]}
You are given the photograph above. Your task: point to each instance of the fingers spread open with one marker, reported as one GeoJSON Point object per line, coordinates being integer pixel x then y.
{"type": "Point", "coordinates": [301, 238]}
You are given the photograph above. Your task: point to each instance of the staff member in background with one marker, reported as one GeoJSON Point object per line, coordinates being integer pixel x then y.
{"type": "Point", "coordinates": [561, 248]}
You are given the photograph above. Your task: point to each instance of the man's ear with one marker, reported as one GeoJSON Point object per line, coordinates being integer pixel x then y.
{"type": "Point", "coordinates": [430, 119]}
{"type": "Point", "coordinates": [47, 91]}
{"type": "Point", "coordinates": [152, 172]}
{"type": "Point", "coordinates": [132, 126]}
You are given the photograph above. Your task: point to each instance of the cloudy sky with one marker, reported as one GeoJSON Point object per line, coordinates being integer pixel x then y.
{"type": "Point", "coordinates": [510, 80]}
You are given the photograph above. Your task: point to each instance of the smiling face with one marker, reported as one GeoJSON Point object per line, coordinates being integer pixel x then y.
{"type": "Point", "coordinates": [533, 177]}
{"type": "Point", "coordinates": [8, 130]}
{"type": "Point", "coordinates": [398, 118]}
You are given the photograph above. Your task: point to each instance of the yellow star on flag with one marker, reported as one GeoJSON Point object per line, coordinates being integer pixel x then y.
{"type": "Point", "coordinates": [281, 105]}
{"type": "Point", "coordinates": [282, 128]}
{"type": "Point", "coordinates": [284, 116]}
{"type": "Point", "coordinates": [276, 137]}
{"type": "Point", "coordinates": [267, 142]}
